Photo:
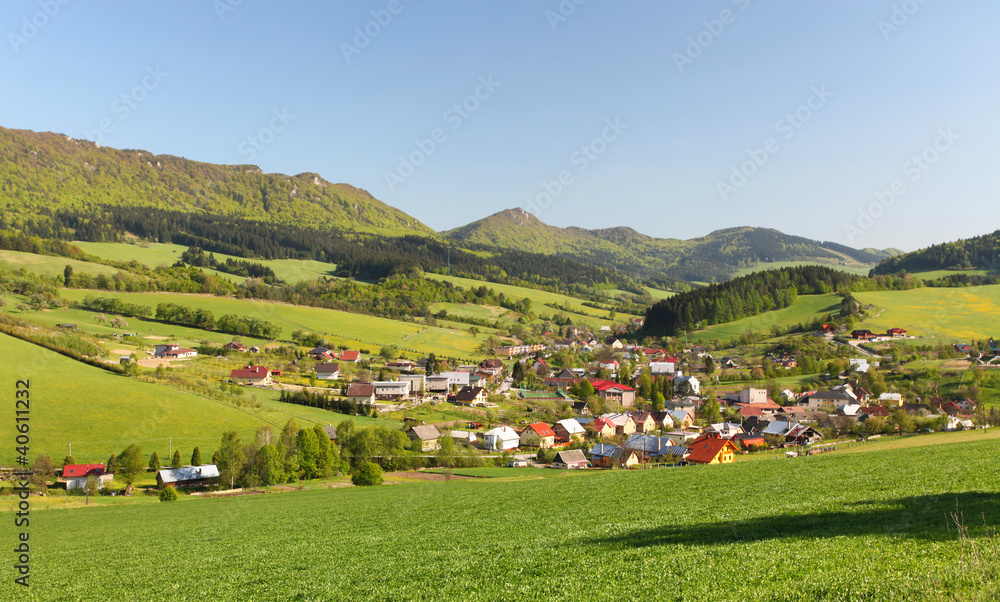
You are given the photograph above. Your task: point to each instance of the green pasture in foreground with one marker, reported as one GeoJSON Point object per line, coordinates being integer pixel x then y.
{"type": "Point", "coordinates": [101, 412]}
{"type": "Point", "coordinates": [952, 314]}
{"type": "Point", "coordinates": [370, 330]}
{"type": "Point", "coordinates": [872, 526]}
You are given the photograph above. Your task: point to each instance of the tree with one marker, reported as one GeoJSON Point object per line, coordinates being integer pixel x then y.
{"type": "Point", "coordinates": [154, 462]}
{"type": "Point", "coordinates": [308, 449]}
{"type": "Point", "coordinates": [131, 464]}
{"type": "Point", "coordinates": [709, 365]}
{"type": "Point", "coordinates": [368, 474]}
{"type": "Point", "coordinates": [70, 460]}
{"type": "Point", "coordinates": [91, 487]}
{"type": "Point", "coordinates": [230, 458]}
{"type": "Point", "coordinates": [176, 462]}
{"type": "Point", "coordinates": [518, 372]}
{"type": "Point", "coordinates": [196, 457]}
{"type": "Point", "coordinates": [111, 466]}
{"type": "Point", "coordinates": [389, 352]}
{"type": "Point", "coordinates": [168, 494]}
{"type": "Point", "coordinates": [271, 464]}
{"type": "Point", "coordinates": [446, 454]}
{"type": "Point", "coordinates": [710, 409]}
{"type": "Point", "coordinates": [68, 275]}
{"type": "Point", "coordinates": [658, 402]}
{"type": "Point", "coordinates": [41, 471]}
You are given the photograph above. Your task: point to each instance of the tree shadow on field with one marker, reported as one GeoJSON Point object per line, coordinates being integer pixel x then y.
{"type": "Point", "coordinates": [930, 517]}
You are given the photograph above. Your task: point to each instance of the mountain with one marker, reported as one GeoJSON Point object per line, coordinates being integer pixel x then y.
{"type": "Point", "coordinates": [43, 172]}
{"type": "Point", "coordinates": [980, 252]}
{"type": "Point", "coordinates": [715, 257]}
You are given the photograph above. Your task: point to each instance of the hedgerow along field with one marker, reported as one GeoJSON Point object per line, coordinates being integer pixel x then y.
{"type": "Point", "coordinates": [101, 412]}
{"type": "Point", "coordinates": [371, 331]}
{"type": "Point", "coordinates": [869, 526]}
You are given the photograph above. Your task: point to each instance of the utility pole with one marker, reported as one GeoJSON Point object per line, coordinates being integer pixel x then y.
{"type": "Point", "coordinates": [71, 448]}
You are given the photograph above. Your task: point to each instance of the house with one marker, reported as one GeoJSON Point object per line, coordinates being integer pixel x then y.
{"type": "Point", "coordinates": [538, 434]}
{"type": "Point", "coordinates": [692, 381]}
{"type": "Point", "coordinates": [350, 356]}
{"type": "Point", "coordinates": [428, 436]}
{"type": "Point", "coordinates": [828, 329]}
{"type": "Point", "coordinates": [568, 430]}
{"type": "Point", "coordinates": [747, 440]}
{"type": "Point", "coordinates": [540, 364]}
{"type": "Point", "coordinates": [665, 367]}
{"type": "Point", "coordinates": [235, 346]}
{"type": "Point", "coordinates": [616, 344]}
{"type": "Point", "coordinates": [611, 365]}
{"type": "Point", "coordinates": [570, 459]}
{"type": "Point", "coordinates": [391, 390]}
{"type": "Point", "coordinates": [723, 430]}
{"type": "Point", "coordinates": [608, 456]}
{"type": "Point", "coordinates": [624, 425]}
{"type": "Point", "coordinates": [252, 375]}
{"type": "Point", "coordinates": [471, 396]}
{"type": "Point", "coordinates": [612, 391]}
{"type": "Point", "coordinates": [437, 383]}
{"type": "Point", "coordinates": [321, 353]}
{"type": "Point", "coordinates": [327, 371]}
{"type": "Point", "coordinates": [331, 432]}
{"type": "Point", "coordinates": [730, 361]}
{"type": "Point", "coordinates": [173, 352]}
{"type": "Point", "coordinates": [874, 411]}
{"type": "Point", "coordinates": [681, 418]}
{"type": "Point", "coordinates": [401, 365]}
{"type": "Point", "coordinates": [501, 438]}
{"type": "Point", "coordinates": [77, 475]}
{"type": "Point", "coordinates": [602, 427]}
{"type": "Point", "coordinates": [896, 333]}
{"type": "Point", "coordinates": [849, 409]}
{"type": "Point", "coordinates": [663, 420]}
{"type": "Point", "coordinates": [859, 364]}
{"type": "Point", "coordinates": [966, 406]}
{"type": "Point", "coordinates": [752, 395]}
{"type": "Point", "coordinates": [647, 446]}
{"type": "Point", "coordinates": [581, 408]}
{"type": "Point", "coordinates": [189, 476]}
{"type": "Point", "coordinates": [417, 382]}
{"type": "Point", "coordinates": [491, 366]}
{"type": "Point", "coordinates": [863, 335]}
{"type": "Point", "coordinates": [463, 437]}
{"type": "Point", "coordinates": [891, 399]}
{"type": "Point", "coordinates": [712, 451]}
{"type": "Point", "coordinates": [821, 399]}
{"type": "Point", "coordinates": [802, 434]}
{"type": "Point", "coordinates": [363, 393]}
{"type": "Point", "coordinates": [644, 422]}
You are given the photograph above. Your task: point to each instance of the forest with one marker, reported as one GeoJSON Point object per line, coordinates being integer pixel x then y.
{"type": "Point", "coordinates": [980, 252]}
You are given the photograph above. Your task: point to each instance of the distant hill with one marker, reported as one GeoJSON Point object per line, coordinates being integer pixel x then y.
{"type": "Point", "coordinates": [978, 253]}
{"type": "Point", "coordinates": [715, 257]}
{"type": "Point", "coordinates": [46, 172]}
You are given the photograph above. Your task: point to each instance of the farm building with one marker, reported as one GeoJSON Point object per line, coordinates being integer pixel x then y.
{"type": "Point", "coordinates": [76, 475]}
{"type": "Point", "coordinates": [570, 459]}
{"type": "Point", "coordinates": [189, 476]}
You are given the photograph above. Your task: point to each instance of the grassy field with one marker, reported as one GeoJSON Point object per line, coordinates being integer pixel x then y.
{"type": "Point", "coordinates": [657, 294]}
{"type": "Point", "coordinates": [50, 266]}
{"type": "Point", "coordinates": [807, 308]}
{"type": "Point", "coordinates": [860, 270]}
{"type": "Point", "coordinates": [160, 254]}
{"type": "Point", "coordinates": [371, 331]}
{"type": "Point", "coordinates": [871, 526]}
{"type": "Point", "coordinates": [934, 274]}
{"type": "Point", "coordinates": [952, 314]}
{"type": "Point", "coordinates": [539, 299]}
{"type": "Point", "coordinates": [101, 412]}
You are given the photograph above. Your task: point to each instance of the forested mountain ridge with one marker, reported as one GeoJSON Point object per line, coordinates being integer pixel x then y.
{"type": "Point", "coordinates": [45, 172]}
{"type": "Point", "coordinates": [979, 252]}
{"type": "Point", "coordinates": [715, 257]}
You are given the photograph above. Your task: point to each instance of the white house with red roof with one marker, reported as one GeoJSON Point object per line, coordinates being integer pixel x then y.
{"type": "Point", "coordinates": [350, 356]}
{"type": "Point", "coordinates": [252, 375]}
{"type": "Point", "coordinates": [76, 475]}
{"type": "Point", "coordinates": [538, 434]}
{"type": "Point", "coordinates": [611, 391]}
{"type": "Point", "coordinates": [173, 352]}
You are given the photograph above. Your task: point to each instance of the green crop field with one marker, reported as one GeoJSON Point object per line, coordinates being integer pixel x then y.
{"type": "Point", "coordinates": [160, 254]}
{"type": "Point", "coordinates": [872, 526]}
{"type": "Point", "coordinates": [101, 412]}
{"type": "Point", "coordinates": [50, 266]}
{"type": "Point", "coordinates": [539, 299]}
{"type": "Point", "coordinates": [952, 314]}
{"type": "Point", "coordinates": [806, 308]}
{"type": "Point", "coordinates": [368, 330]}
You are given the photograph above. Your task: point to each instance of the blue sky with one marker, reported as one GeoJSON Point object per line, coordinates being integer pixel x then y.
{"type": "Point", "coordinates": [805, 117]}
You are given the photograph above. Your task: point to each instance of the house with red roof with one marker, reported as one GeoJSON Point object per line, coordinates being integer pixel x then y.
{"type": "Point", "coordinates": [252, 375]}
{"type": "Point", "coordinates": [602, 427]}
{"type": "Point", "coordinates": [235, 346]}
{"type": "Point", "coordinates": [611, 391]}
{"type": "Point", "coordinates": [712, 451]}
{"type": "Point", "coordinates": [896, 333]}
{"type": "Point", "coordinates": [77, 475]}
{"type": "Point", "coordinates": [350, 356]}
{"type": "Point", "coordinates": [538, 434]}
{"type": "Point", "coordinates": [829, 329]}
{"type": "Point", "coordinates": [361, 392]}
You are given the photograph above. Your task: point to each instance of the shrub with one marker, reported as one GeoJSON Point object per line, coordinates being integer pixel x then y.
{"type": "Point", "coordinates": [367, 475]}
{"type": "Point", "coordinates": [168, 494]}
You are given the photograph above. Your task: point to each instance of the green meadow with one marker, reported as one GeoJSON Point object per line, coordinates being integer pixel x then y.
{"type": "Point", "coordinates": [860, 270]}
{"type": "Point", "coordinates": [100, 412]}
{"type": "Point", "coordinates": [828, 527]}
{"type": "Point", "coordinates": [369, 331]}
{"type": "Point", "coordinates": [806, 309]}
{"type": "Point", "coordinates": [50, 266]}
{"type": "Point", "coordinates": [951, 314]}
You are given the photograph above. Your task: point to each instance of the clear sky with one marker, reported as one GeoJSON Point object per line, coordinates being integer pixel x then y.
{"type": "Point", "coordinates": [675, 118]}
